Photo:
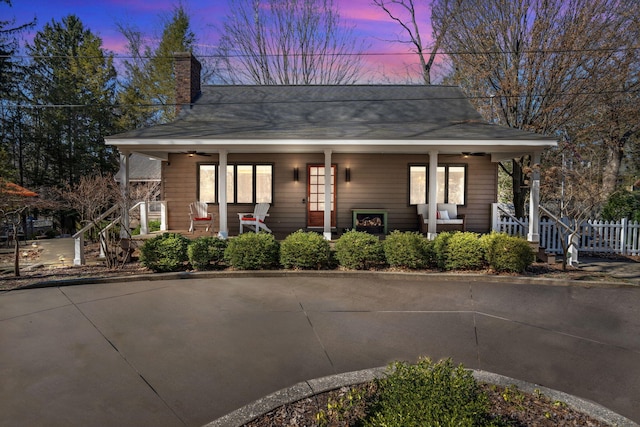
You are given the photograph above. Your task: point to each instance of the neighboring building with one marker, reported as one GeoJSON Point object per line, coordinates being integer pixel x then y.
{"type": "Point", "coordinates": [303, 148]}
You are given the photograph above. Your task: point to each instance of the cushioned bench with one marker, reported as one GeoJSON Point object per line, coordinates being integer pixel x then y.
{"type": "Point", "coordinates": [447, 218]}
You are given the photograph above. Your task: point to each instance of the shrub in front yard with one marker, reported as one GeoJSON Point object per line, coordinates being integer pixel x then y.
{"type": "Point", "coordinates": [464, 252]}
{"type": "Point", "coordinates": [428, 394]}
{"type": "Point", "coordinates": [206, 252]}
{"type": "Point", "coordinates": [253, 251]}
{"type": "Point", "coordinates": [304, 250]}
{"type": "Point", "coordinates": [408, 250]}
{"type": "Point", "coordinates": [358, 250]}
{"type": "Point", "coordinates": [440, 245]}
{"type": "Point", "coordinates": [166, 252]}
{"type": "Point", "coordinates": [507, 253]}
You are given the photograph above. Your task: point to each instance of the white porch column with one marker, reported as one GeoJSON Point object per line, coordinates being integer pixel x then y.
{"type": "Point", "coordinates": [125, 230]}
{"type": "Point", "coordinates": [222, 194]}
{"type": "Point", "coordinates": [534, 200]}
{"type": "Point", "coordinates": [433, 194]}
{"type": "Point", "coordinates": [327, 194]}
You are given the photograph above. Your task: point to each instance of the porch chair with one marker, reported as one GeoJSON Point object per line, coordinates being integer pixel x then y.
{"type": "Point", "coordinates": [447, 218]}
{"type": "Point", "coordinates": [255, 220]}
{"type": "Point", "coordinates": [199, 214]}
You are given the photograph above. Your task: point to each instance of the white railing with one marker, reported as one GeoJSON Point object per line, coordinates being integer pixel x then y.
{"type": "Point", "coordinates": [143, 207]}
{"type": "Point", "coordinates": [615, 237]}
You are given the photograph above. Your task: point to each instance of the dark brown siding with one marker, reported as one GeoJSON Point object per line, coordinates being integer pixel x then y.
{"type": "Point", "coordinates": [377, 181]}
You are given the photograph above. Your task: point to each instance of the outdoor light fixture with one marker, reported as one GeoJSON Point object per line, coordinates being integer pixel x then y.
{"type": "Point", "coordinates": [296, 174]}
{"type": "Point", "coordinates": [347, 174]}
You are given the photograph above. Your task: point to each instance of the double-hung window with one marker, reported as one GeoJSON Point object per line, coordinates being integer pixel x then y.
{"type": "Point", "coordinates": [246, 183]}
{"type": "Point", "coordinates": [452, 180]}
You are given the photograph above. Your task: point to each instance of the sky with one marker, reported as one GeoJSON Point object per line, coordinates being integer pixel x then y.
{"type": "Point", "coordinates": [370, 23]}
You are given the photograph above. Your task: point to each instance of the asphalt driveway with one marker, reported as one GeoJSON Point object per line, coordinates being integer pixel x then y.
{"type": "Point", "coordinates": [185, 352]}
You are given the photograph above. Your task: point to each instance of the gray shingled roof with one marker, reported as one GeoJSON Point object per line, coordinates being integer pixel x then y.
{"type": "Point", "coordinates": [329, 112]}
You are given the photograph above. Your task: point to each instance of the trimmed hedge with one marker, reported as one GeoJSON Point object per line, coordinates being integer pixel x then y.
{"type": "Point", "coordinates": [164, 253]}
{"type": "Point", "coordinates": [464, 252]}
{"type": "Point", "coordinates": [408, 250]}
{"type": "Point", "coordinates": [507, 253]}
{"type": "Point", "coordinates": [358, 250]}
{"type": "Point", "coordinates": [305, 250]}
{"type": "Point", "coordinates": [206, 252]}
{"type": "Point", "coordinates": [253, 251]}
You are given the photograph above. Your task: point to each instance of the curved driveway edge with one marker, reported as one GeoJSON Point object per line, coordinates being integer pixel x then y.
{"type": "Point", "coordinates": [184, 352]}
{"type": "Point", "coordinates": [305, 389]}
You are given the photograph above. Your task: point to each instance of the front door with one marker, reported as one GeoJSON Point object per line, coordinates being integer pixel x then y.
{"type": "Point", "coordinates": [315, 196]}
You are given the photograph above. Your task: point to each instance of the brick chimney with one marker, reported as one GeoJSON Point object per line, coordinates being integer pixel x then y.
{"type": "Point", "coordinates": [187, 71]}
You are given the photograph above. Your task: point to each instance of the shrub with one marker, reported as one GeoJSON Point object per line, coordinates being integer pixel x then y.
{"type": "Point", "coordinates": [358, 250]}
{"type": "Point", "coordinates": [440, 245]}
{"type": "Point", "coordinates": [408, 250]}
{"type": "Point", "coordinates": [253, 251]}
{"type": "Point", "coordinates": [305, 251]}
{"type": "Point", "coordinates": [622, 204]}
{"type": "Point", "coordinates": [166, 252]}
{"type": "Point", "coordinates": [205, 252]}
{"type": "Point", "coordinates": [464, 252]}
{"type": "Point", "coordinates": [507, 253]}
{"type": "Point", "coordinates": [428, 394]}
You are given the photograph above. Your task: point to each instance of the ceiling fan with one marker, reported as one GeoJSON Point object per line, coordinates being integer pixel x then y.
{"type": "Point", "coordinates": [196, 153]}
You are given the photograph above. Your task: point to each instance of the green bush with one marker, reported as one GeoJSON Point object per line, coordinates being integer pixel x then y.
{"type": "Point", "coordinates": [253, 251]}
{"type": "Point", "coordinates": [622, 204]}
{"type": "Point", "coordinates": [153, 225]}
{"type": "Point", "coordinates": [358, 250]}
{"type": "Point", "coordinates": [206, 252]}
{"type": "Point", "coordinates": [428, 394]}
{"type": "Point", "coordinates": [440, 245]}
{"type": "Point", "coordinates": [305, 251]}
{"type": "Point", "coordinates": [507, 253]}
{"type": "Point", "coordinates": [166, 252]}
{"type": "Point", "coordinates": [464, 252]}
{"type": "Point", "coordinates": [408, 250]}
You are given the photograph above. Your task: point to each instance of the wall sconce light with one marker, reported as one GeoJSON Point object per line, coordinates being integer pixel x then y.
{"type": "Point", "coordinates": [296, 174]}
{"type": "Point", "coordinates": [347, 174]}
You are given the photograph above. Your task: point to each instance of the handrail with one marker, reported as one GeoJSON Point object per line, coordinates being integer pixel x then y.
{"type": "Point", "coordinates": [558, 221]}
{"type": "Point", "coordinates": [511, 216]}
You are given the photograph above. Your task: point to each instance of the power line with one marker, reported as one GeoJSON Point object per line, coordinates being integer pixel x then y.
{"type": "Point", "coordinates": [426, 53]}
{"type": "Point", "coordinates": [436, 98]}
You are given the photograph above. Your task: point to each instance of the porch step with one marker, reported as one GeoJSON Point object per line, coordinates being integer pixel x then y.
{"type": "Point", "coordinates": [546, 257]}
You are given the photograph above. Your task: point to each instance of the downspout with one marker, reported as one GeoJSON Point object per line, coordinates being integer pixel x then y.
{"type": "Point", "coordinates": [124, 187]}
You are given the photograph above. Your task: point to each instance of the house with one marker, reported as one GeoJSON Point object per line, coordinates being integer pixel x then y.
{"type": "Point", "coordinates": [320, 155]}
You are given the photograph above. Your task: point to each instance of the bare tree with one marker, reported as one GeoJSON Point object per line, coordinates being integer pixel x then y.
{"type": "Point", "coordinates": [546, 62]}
{"type": "Point", "coordinates": [14, 202]}
{"type": "Point", "coordinates": [289, 42]}
{"type": "Point", "coordinates": [405, 14]}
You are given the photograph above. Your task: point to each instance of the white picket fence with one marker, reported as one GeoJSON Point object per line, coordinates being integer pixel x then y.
{"type": "Point", "coordinates": [621, 237]}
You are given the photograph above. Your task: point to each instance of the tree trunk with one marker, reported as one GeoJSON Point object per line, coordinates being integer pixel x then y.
{"type": "Point", "coordinates": [615, 153]}
{"type": "Point", "coordinates": [519, 190]}
{"type": "Point", "coordinates": [16, 261]}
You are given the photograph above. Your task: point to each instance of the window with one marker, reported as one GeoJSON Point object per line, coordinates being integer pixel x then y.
{"type": "Point", "coordinates": [451, 184]}
{"type": "Point", "coordinates": [246, 183]}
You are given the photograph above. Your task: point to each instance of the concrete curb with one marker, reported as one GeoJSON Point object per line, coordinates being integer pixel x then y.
{"type": "Point", "coordinates": [309, 388]}
{"type": "Point", "coordinates": [474, 277]}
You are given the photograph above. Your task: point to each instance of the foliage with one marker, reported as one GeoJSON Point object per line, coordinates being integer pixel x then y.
{"type": "Point", "coordinates": [206, 252]}
{"type": "Point", "coordinates": [149, 75]}
{"type": "Point", "coordinates": [464, 252]}
{"type": "Point", "coordinates": [253, 251]}
{"type": "Point", "coordinates": [408, 250]}
{"type": "Point", "coordinates": [68, 67]}
{"type": "Point", "coordinates": [358, 250]}
{"type": "Point", "coordinates": [154, 225]}
{"type": "Point", "coordinates": [440, 245]}
{"type": "Point", "coordinates": [297, 42]}
{"type": "Point", "coordinates": [622, 204]}
{"type": "Point", "coordinates": [507, 253]}
{"type": "Point", "coordinates": [305, 250]}
{"type": "Point", "coordinates": [164, 253]}
{"type": "Point", "coordinates": [428, 394]}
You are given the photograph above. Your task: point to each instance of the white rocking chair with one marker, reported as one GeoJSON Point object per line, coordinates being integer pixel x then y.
{"type": "Point", "coordinates": [199, 214]}
{"type": "Point", "coordinates": [255, 220]}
